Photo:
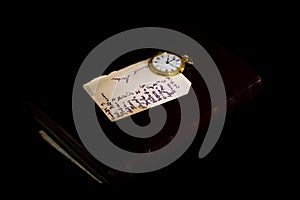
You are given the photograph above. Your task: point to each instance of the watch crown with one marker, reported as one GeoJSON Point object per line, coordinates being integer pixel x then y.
{"type": "Point", "coordinates": [187, 59]}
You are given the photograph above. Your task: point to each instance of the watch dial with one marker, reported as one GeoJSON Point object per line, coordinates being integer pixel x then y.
{"type": "Point", "coordinates": [166, 62]}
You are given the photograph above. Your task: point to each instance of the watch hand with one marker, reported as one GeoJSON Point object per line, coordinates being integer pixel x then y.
{"type": "Point", "coordinates": [168, 61]}
{"type": "Point", "coordinates": [172, 65]}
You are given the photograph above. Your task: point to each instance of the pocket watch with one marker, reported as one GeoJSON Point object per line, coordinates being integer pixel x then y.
{"type": "Point", "coordinates": [168, 64]}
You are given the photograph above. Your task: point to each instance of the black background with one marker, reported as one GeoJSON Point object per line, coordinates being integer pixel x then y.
{"type": "Point", "coordinates": [48, 46]}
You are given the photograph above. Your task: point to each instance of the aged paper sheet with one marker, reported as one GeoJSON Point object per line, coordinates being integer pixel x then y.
{"type": "Point", "coordinates": [134, 89]}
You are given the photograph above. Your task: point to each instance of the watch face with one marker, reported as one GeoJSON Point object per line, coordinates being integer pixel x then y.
{"type": "Point", "coordinates": [167, 64]}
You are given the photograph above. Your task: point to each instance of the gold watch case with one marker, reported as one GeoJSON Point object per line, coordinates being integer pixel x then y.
{"type": "Point", "coordinates": [168, 64]}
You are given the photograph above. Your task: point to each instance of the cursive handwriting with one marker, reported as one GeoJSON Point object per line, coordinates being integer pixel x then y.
{"type": "Point", "coordinates": [126, 79]}
{"type": "Point", "coordinates": [139, 69]}
{"type": "Point", "coordinates": [141, 98]}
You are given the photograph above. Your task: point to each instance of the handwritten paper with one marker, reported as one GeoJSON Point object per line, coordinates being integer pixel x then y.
{"type": "Point", "coordinates": [134, 89]}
